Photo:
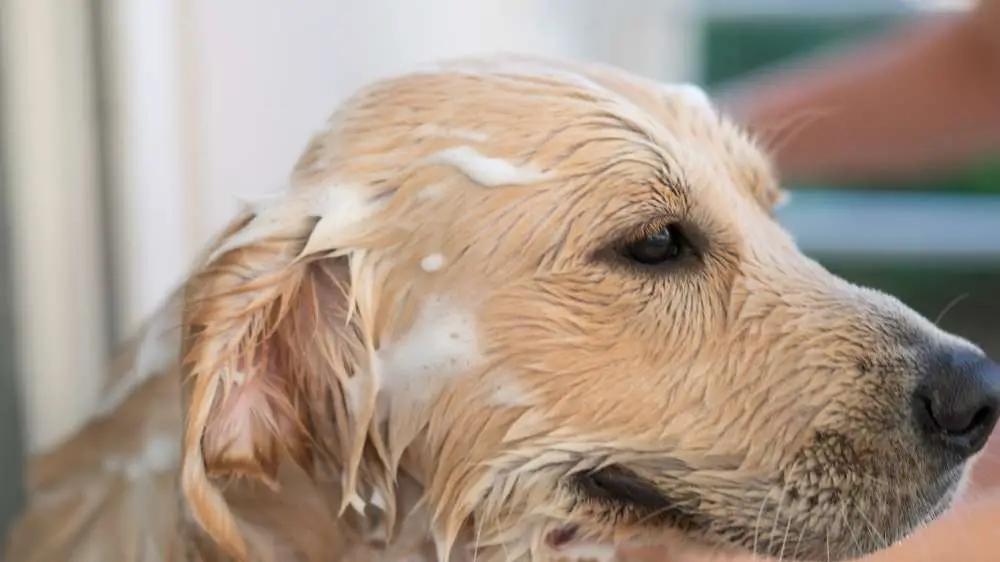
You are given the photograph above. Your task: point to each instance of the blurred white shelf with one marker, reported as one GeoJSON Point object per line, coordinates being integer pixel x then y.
{"type": "Point", "coordinates": [800, 8]}
{"type": "Point", "coordinates": [895, 226]}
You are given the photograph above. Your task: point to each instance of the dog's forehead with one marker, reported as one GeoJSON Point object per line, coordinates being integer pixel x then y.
{"type": "Point", "coordinates": [513, 108]}
{"type": "Point", "coordinates": [460, 133]}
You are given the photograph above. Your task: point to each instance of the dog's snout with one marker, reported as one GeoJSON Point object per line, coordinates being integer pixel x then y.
{"type": "Point", "coordinates": [958, 402]}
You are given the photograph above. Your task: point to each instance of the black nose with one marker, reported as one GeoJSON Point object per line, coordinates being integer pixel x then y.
{"type": "Point", "coordinates": [958, 402]}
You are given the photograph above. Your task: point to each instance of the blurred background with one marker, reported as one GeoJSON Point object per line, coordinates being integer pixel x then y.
{"type": "Point", "coordinates": [130, 129]}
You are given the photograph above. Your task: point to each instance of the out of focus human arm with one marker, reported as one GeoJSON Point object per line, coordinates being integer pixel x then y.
{"type": "Point", "coordinates": [919, 98]}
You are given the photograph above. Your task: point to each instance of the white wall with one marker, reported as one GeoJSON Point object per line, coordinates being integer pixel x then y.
{"type": "Point", "coordinates": [219, 99]}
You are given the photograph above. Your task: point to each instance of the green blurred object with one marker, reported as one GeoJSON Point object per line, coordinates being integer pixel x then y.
{"type": "Point", "coordinates": [735, 46]}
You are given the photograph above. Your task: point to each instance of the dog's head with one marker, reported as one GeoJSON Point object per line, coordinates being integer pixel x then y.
{"type": "Point", "coordinates": [556, 298]}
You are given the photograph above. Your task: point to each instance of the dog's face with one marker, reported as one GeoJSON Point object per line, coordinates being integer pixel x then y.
{"type": "Point", "coordinates": [556, 298]}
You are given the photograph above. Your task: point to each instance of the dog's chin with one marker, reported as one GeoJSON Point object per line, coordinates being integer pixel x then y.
{"type": "Point", "coordinates": [618, 497]}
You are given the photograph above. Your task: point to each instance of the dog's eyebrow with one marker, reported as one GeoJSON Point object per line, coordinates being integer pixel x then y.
{"type": "Point", "coordinates": [667, 191]}
{"type": "Point", "coordinates": [674, 182]}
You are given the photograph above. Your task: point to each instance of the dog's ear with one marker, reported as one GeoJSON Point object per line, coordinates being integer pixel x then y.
{"type": "Point", "coordinates": [276, 351]}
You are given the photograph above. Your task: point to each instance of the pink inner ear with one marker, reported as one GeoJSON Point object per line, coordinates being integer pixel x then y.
{"type": "Point", "coordinates": [251, 421]}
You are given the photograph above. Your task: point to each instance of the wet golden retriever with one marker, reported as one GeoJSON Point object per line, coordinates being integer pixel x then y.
{"type": "Point", "coordinates": [516, 309]}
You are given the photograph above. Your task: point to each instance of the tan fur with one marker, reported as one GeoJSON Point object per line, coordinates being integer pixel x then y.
{"type": "Point", "coordinates": [346, 397]}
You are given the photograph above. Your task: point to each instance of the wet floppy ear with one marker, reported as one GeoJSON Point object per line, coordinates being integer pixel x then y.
{"type": "Point", "coordinates": [273, 344]}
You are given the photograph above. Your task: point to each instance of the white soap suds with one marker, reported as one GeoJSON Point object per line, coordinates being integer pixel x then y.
{"type": "Point", "coordinates": [432, 262]}
{"type": "Point", "coordinates": [339, 207]}
{"type": "Point", "coordinates": [270, 212]}
{"type": "Point", "coordinates": [440, 345]}
{"type": "Point", "coordinates": [485, 170]}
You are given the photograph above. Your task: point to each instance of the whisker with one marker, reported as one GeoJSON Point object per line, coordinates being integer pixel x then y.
{"type": "Point", "coordinates": [784, 539]}
{"type": "Point", "coordinates": [947, 308]}
{"type": "Point", "coordinates": [781, 134]}
{"type": "Point", "coordinates": [850, 528]}
{"type": "Point", "coordinates": [829, 556]}
{"type": "Point", "coordinates": [477, 540]}
{"type": "Point", "coordinates": [777, 514]}
{"type": "Point", "coordinates": [882, 541]}
{"type": "Point", "coordinates": [798, 542]}
{"type": "Point", "coordinates": [756, 532]}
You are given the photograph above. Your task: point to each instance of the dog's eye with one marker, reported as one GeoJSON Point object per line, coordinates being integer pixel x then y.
{"type": "Point", "coordinates": [664, 245]}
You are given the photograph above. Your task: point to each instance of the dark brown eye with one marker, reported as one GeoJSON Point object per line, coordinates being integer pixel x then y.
{"type": "Point", "coordinates": [662, 246]}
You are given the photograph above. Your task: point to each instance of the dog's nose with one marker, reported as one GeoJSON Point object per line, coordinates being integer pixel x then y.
{"type": "Point", "coordinates": [958, 402]}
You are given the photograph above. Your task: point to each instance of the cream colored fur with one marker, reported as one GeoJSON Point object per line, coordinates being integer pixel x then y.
{"type": "Point", "coordinates": [411, 352]}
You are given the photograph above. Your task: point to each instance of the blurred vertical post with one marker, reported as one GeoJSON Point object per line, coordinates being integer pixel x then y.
{"type": "Point", "coordinates": [152, 144]}
{"type": "Point", "coordinates": [53, 205]}
{"type": "Point", "coordinates": [11, 439]}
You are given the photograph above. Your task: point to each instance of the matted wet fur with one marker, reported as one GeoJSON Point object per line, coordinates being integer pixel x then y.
{"type": "Point", "coordinates": [453, 337]}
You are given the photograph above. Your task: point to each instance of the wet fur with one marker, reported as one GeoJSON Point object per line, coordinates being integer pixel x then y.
{"type": "Point", "coordinates": [531, 395]}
